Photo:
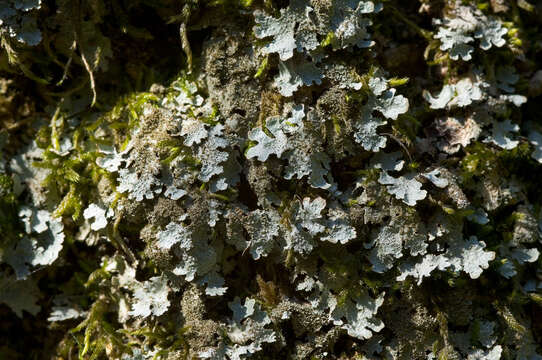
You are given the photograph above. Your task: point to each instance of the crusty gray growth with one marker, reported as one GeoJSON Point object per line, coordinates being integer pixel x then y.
{"type": "Point", "coordinates": [303, 179]}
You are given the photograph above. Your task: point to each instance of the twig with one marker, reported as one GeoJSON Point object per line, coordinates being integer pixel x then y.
{"type": "Point", "coordinates": [84, 58]}
{"type": "Point", "coordinates": [186, 45]}
{"type": "Point", "coordinates": [400, 143]}
{"type": "Point", "coordinates": [120, 241]}
{"type": "Point", "coordinates": [428, 35]}
{"type": "Point", "coordinates": [67, 66]}
{"type": "Point", "coordinates": [91, 76]}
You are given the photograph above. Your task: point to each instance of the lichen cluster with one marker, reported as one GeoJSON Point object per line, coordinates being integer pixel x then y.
{"type": "Point", "coordinates": [309, 179]}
